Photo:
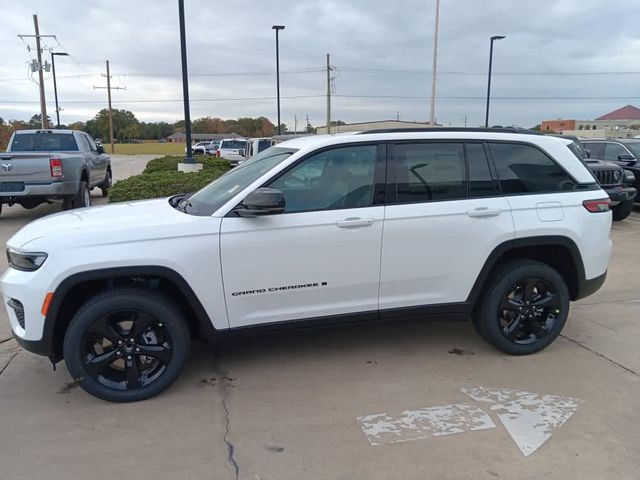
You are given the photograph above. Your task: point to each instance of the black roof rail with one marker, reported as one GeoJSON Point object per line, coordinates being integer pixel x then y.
{"type": "Point", "coordinates": [452, 129]}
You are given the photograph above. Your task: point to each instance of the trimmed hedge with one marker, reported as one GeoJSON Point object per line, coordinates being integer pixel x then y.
{"type": "Point", "coordinates": [161, 178]}
{"type": "Point", "coordinates": [170, 163]}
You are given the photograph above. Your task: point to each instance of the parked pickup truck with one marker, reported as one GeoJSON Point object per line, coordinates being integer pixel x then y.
{"type": "Point", "coordinates": [52, 165]}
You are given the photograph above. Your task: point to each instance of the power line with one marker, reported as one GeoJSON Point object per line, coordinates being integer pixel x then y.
{"type": "Point", "coordinates": [400, 97]}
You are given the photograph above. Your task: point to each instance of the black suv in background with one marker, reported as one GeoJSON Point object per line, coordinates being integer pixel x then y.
{"type": "Point", "coordinates": [613, 179]}
{"type": "Point", "coordinates": [621, 151]}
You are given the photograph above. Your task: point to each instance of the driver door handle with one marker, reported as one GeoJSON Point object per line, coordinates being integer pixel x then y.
{"type": "Point", "coordinates": [355, 222]}
{"type": "Point", "coordinates": [484, 212]}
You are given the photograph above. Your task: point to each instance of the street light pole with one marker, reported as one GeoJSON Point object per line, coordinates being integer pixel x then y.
{"type": "Point", "coordinates": [55, 86]}
{"type": "Point", "coordinates": [277, 28]}
{"type": "Point", "coordinates": [185, 83]}
{"type": "Point", "coordinates": [493, 39]}
{"type": "Point", "coordinates": [435, 65]}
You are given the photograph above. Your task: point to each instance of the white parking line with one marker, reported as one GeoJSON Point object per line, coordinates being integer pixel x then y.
{"type": "Point", "coordinates": [383, 428]}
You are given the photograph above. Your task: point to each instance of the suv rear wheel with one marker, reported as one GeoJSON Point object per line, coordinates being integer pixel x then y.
{"type": "Point", "coordinates": [126, 344]}
{"type": "Point", "coordinates": [523, 307]}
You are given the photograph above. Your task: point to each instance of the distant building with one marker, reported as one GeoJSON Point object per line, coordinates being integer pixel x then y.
{"type": "Point", "coordinates": [618, 123]}
{"type": "Point", "coordinates": [374, 125]}
{"type": "Point", "coordinates": [200, 137]}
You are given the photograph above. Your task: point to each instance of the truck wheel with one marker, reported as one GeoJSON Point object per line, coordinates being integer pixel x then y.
{"type": "Point", "coordinates": [622, 210]}
{"type": "Point", "coordinates": [523, 308]}
{"type": "Point", "coordinates": [106, 183]}
{"type": "Point", "coordinates": [81, 200]}
{"type": "Point", "coordinates": [126, 344]}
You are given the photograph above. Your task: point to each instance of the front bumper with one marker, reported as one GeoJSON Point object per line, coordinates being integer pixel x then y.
{"type": "Point", "coordinates": [620, 194]}
{"type": "Point", "coordinates": [30, 289]}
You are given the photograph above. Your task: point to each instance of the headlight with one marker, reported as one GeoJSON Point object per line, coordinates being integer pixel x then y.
{"type": "Point", "coordinates": [25, 261]}
{"type": "Point", "coordinates": [629, 177]}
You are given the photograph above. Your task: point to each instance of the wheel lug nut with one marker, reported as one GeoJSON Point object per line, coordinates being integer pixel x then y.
{"type": "Point", "coordinates": [128, 357]}
{"type": "Point", "coordinates": [137, 350]}
{"type": "Point", "coordinates": [118, 352]}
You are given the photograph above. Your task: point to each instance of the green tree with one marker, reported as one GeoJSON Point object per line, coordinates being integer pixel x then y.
{"type": "Point", "coordinates": [125, 125]}
{"type": "Point", "coordinates": [34, 122]}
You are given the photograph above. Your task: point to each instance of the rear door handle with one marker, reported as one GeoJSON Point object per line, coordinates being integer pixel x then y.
{"type": "Point", "coordinates": [484, 212]}
{"type": "Point", "coordinates": [355, 222]}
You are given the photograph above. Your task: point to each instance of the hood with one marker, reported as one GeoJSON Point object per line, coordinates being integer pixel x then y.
{"type": "Point", "coordinates": [117, 223]}
{"type": "Point", "coordinates": [596, 164]}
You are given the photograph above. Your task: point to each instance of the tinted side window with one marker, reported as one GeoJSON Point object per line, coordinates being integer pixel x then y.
{"type": "Point", "coordinates": [525, 169]}
{"type": "Point", "coordinates": [92, 144]}
{"type": "Point", "coordinates": [481, 183]}
{"type": "Point", "coordinates": [333, 179]}
{"type": "Point", "coordinates": [423, 172]}
{"type": "Point", "coordinates": [613, 150]}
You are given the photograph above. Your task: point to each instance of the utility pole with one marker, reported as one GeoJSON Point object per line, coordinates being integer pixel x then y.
{"type": "Point", "coordinates": [328, 94]}
{"type": "Point", "coordinates": [108, 88]}
{"type": "Point", "coordinates": [43, 104]}
{"type": "Point", "coordinates": [435, 64]}
{"type": "Point", "coordinates": [277, 28]}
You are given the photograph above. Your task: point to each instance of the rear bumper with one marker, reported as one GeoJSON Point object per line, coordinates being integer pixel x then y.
{"type": "Point", "coordinates": [621, 194]}
{"type": "Point", "coordinates": [590, 286]}
{"type": "Point", "coordinates": [43, 190]}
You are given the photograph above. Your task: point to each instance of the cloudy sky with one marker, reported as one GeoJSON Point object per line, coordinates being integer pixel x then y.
{"type": "Point", "coordinates": [559, 59]}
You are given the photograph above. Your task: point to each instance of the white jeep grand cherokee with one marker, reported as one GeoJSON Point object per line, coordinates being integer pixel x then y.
{"type": "Point", "coordinates": [503, 227]}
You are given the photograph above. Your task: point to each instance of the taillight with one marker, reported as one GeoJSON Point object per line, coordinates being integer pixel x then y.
{"type": "Point", "coordinates": [56, 168]}
{"type": "Point", "coordinates": [217, 152]}
{"type": "Point", "coordinates": [596, 206]}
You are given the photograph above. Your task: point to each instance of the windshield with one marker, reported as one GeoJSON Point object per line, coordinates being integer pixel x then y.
{"type": "Point", "coordinates": [206, 201]}
{"type": "Point", "coordinates": [44, 141]}
{"type": "Point", "coordinates": [237, 144]}
{"type": "Point", "coordinates": [635, 149]}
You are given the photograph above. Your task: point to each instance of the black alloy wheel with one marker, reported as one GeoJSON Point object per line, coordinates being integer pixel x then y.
{"type": "Point", "coordinates": [523, 307]}
{"type": "Point", "coordinates": [127, 349]}
{"type": "Point", "coordinates": [528, 312]}
{"type": "Point", "coordinates": [127, 344]}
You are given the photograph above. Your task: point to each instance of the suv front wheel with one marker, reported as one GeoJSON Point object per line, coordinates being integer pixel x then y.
{"type": "Point", "coordinates": [126, 344]}
{"type": "Point", "coordinates": [523, 307]}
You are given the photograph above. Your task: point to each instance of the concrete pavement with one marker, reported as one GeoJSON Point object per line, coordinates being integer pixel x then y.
{"type": "Point", "coordinates": [286, 406]}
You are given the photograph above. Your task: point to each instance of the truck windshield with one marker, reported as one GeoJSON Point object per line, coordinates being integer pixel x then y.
{"type": "Point", "coordinates": [206, 201]}
{"type": "Point", "coordinates": [43, 141]}
{"type": "Point", "coordinates": [237, 144]}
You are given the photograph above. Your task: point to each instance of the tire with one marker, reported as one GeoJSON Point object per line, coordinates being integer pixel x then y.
{"type": "Point", "coordinates": [81, 200]}
{"type": "Point", "coordinates": [159, 328]}
{"type": "Point", "coordinates": [106, 183]}
{"type": "Point", "coordinates": [522, 328]}
{"type": "Point", "coordinates": [622, 210]}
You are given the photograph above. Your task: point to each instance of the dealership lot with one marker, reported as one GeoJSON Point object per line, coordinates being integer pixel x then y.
{"type": "Point", "coordinates": [291, 405]}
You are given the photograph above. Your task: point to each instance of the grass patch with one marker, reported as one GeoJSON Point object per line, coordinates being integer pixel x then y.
{"type": "Point", "coordinates": [147, 148]}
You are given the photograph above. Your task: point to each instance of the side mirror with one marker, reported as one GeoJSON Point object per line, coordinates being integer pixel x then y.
{"type": "Point", "coordinates": [263, 201]}
{"type": "Point", "coordinates": [588, 152]}
{"type": "Point", "coordinates": [626, 157]}
{"type": "Point", "coordinates": [100, 149]}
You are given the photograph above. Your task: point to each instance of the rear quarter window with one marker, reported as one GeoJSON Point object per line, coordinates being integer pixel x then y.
{"type": "Point", "coordinates": [45, 142]}
{"type": "Point", "coordinates": [525, 169]}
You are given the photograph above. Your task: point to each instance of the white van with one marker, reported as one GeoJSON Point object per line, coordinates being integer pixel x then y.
{"type": "Point", "coordinates": [257, 145]}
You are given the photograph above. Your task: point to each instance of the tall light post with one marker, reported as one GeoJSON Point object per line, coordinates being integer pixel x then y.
{"type": "Point", "coordinates": [435, 65]}
{"type": "Point", "coordinates": [55, 86]}
{"type": "Point", "coordinates": [185, 84]}
{"type": "Point", "coordinates": [493, 39]}
{"type": "Point", "coordinates": [277, 28]}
